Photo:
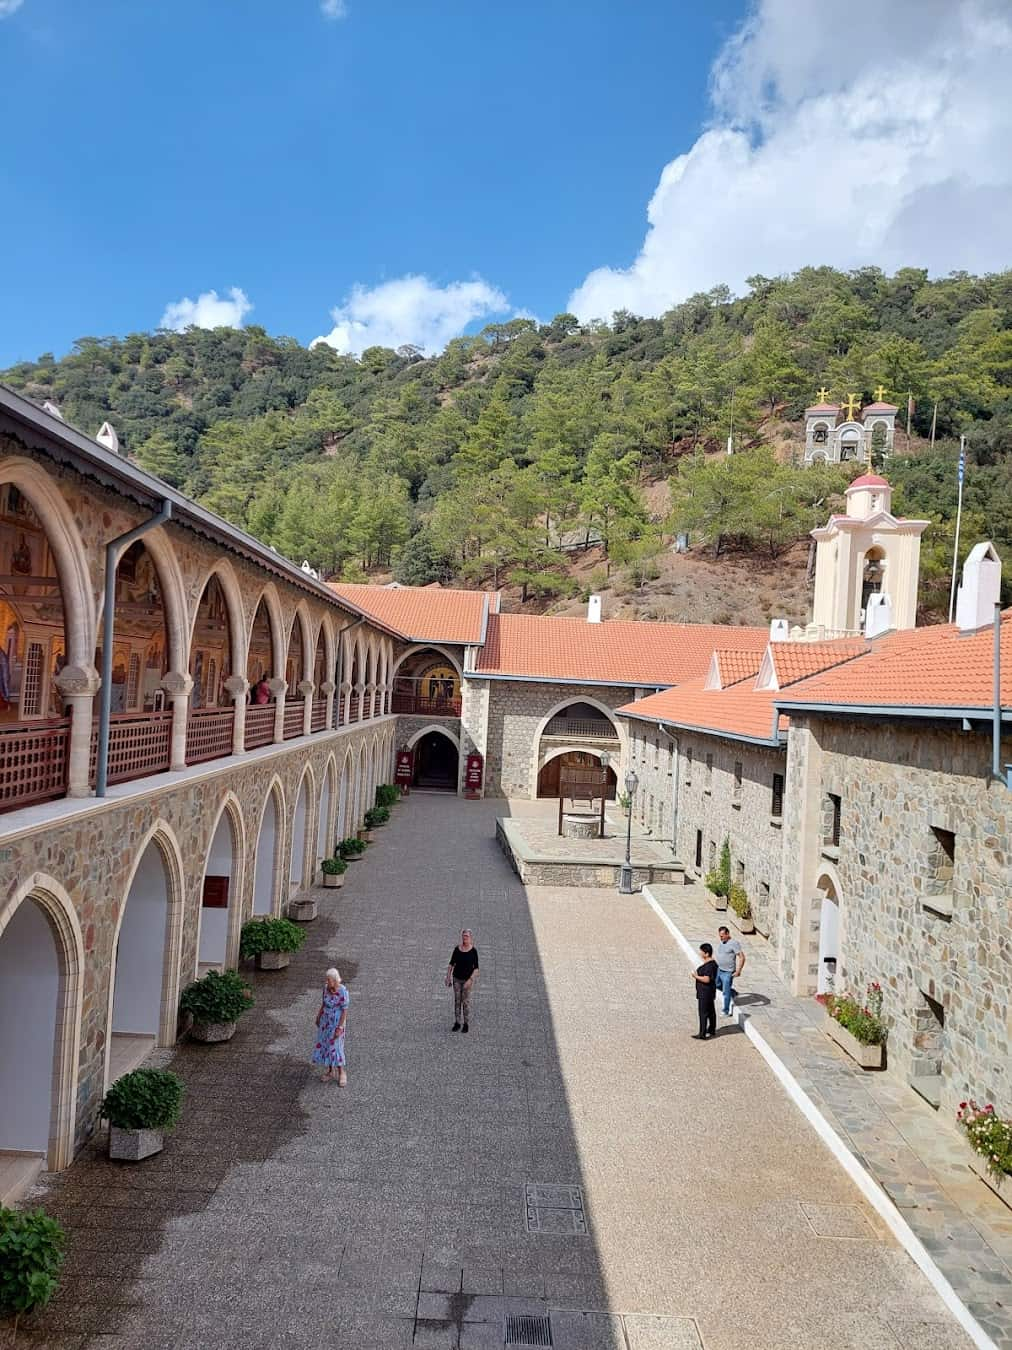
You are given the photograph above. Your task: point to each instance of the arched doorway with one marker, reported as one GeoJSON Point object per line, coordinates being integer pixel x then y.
{"type": "Point", "coordinates": [437, 762]}
{"type": "Point", "coordinates": [265, 868]}
{"type": "Point", "coordinates": [141, 972]}
{"type": "Point", "coordinates": [324, 842]}
{"type": "Point", "coordinates": [343, 800]}
{"type": "Point", "coordinates": [550, 774]}
{"type": "Point", "coordinates": [219, 891]}
{"type": "Point", "coordinates": [297, 863]}
{"type": "Point", "coordinates": [829, 935]}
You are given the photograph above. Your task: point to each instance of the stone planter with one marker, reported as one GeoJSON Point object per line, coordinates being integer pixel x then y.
{"type": "Point", "coordinates": [273, 960]}
{"type": "Point", "coordinates": [332, 880]}
{"type": "Point", "coordinates": [742, 925]}
{"type": "Point", "coordinates": [717, 901]}
{"type": "Point", "coordinates": [302, 911]}
{"type": "Point", "coordinates": [868, 1056]}
{"type": "Point", "coordinates": [133, 1145]}
{"type": "Point", "coordinates": [212, 1032]}
{"type": "Point", "coordinates": [365, 836]}
{"type": "Point", "coordinates": [999, 1186]}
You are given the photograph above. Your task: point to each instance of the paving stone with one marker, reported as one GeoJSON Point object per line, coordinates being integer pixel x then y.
{"type": "Point", "coordinates": [644, 1332]}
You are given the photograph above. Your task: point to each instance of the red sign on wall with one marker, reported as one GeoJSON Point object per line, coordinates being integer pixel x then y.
{"type": "Point", "coordinates": [473, 774]}
{"type": "Point", "coordinates": [405, 767]}
{"type": "Point", "coordinates": [215, 893]}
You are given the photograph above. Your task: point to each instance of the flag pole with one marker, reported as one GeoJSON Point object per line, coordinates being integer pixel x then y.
{"type": "Point", "coordinates": [959, 516]}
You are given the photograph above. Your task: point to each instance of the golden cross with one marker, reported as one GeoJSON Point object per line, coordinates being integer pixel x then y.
{"type": "Point", "coordinates": [823, 394]}
{"type": "Point", "coordinates": [853, 403]}
{"type": "Point", "coordinates": [880, 393]}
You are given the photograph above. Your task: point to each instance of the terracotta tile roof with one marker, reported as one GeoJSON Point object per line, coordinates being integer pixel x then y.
{"type": "Point", "coordinates": [421, 613]}
{"type": "Point", "coordinates": [880, 407]}
{"type": "Point", "coordinates": [741, 711]}
{"type": "Point", "coordinates": [823, 407]}
{"type": "Point", "coordinates": [736, 665]}
{"type": "Point", "coordinates": [935, 667]}
{"type": "Point", "coordinates": [613, 652]}
{"type": "Point", "coordinates": [867, 480]}
{"type": "Point", "coordinates": [793, 661]}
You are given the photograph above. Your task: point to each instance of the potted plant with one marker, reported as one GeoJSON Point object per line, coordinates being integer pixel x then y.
{"type": "Point", "coordinates": [349, 849]}
{"type": "Point", "coordinates": [388, 794]}
{"type": "Point", "coordinates": [375, 817]}
{"type": "Point", "coordinates": [303, 909]}
{"type": "Point", "coordinates": [140, 1107]}
{"type": "Point", "coordinates": [990, 1137]}
{"type": "Point", "coordinates": [271, 941]}
{"type": "Point", "coordinates": [625, 802]}
{"type": "Point", "coordinates": [31, 1254]}
{"type": "Point", "coordinates": [333, 870]}
{"type": "Point", "coordinates": [737, 900]}
{"type": "Point", "coordinates": [216, 1002]}
{"type": "Point", "coordinates": [856, 1025]}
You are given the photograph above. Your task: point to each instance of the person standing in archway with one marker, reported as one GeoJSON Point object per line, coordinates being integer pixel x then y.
{"type": "Point", "coordinates": [461, 973]}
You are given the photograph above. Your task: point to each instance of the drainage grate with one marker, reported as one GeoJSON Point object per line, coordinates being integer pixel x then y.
{"type": "Point", "coordinates": [554, 1208]}
{"type": "Point", "coordinates": [525, 1329]}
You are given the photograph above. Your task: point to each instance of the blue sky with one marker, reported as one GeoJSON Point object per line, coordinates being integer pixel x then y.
{"type": "Point", "coordinates": [501, 157]}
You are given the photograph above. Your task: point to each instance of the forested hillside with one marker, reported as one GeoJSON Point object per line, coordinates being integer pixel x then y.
{"type": "Point", "coordinates": [476, 464]}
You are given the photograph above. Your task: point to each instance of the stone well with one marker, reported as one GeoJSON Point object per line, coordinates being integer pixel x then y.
{"type": "Point", "coordinates": [580, 825]}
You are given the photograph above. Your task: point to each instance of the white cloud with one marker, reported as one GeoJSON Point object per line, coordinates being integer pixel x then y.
{"type": "Point", "coordinates": [209, 310]}
{"type": "Point", "coordinates": [7, 7]}
{"type": "Point", "coordinates": [853, 133]}
{"type": "Point", "coordinates": [410, 309]}
{"type": "Point", "coordinates": [333, 9]}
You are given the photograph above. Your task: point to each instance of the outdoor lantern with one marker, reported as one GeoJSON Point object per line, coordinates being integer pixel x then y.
{"type": "Point", "coordinates": [625, 885]}
{"type": "Point", "coordinates": [631, 782]}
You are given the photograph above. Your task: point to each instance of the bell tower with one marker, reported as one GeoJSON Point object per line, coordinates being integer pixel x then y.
{"type": "Point", "coordinates": [868, 552]}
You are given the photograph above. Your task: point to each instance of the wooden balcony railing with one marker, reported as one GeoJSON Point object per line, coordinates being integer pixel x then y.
{"type": "Point", "coordinates": [33, 761]}
{"type": "Point", "coordinates": [295, 716]}
{"type": "Point", "coordinates": [430, 698]}
{"type": "Point", "coordinates": [319, 720]}
{"type": "Point", "coordinates": [582, 728]}
{"type": "Point", "coordinates": [259, 724]}
{"type": "Point", "coordinates": [209, 734]}
{"type": "Point", "coordinates": [139, 744]}
{"type": "Point", "coordinates": [353, 708]}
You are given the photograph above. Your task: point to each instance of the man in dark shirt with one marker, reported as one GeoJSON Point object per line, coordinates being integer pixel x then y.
{"type": "Point", "coordinates": [462, 973]}
{"type": "Point", "coordinates": [706, 993]}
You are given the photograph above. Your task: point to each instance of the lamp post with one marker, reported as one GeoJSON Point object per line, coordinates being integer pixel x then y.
{"type": "Point", "coordinates": [625, 885]}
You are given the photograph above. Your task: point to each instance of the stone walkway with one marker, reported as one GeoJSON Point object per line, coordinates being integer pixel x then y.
{"type": "Point", "coordinates": [915, 1156]}
{"type": "Point", "coordinates": [576, 1154]}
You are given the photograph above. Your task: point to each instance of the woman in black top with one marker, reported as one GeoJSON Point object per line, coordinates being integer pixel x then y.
{"type": "Point", "coordinates": [706, 993]}
{"type": "Point", "coordinates": [462, 973]}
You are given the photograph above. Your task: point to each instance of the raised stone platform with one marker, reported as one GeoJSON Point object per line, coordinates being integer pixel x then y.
{"type": "Point", "coordinates": [541, 858]}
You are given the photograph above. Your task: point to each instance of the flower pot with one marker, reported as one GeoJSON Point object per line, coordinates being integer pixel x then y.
{"type": "Point", "coordinates": [365, 836]}
{"type": "Point", "coordinates": [868, 1056]}
{"type": "Point", "coordinates": [745, 925]}
{"type": "Point", "coordinates": [273, 960]}
{"type": "Point", "coordinates": [1000, 1185]}
{"type": "Point", "coordinates": [302, 911]}
{"type": "Point", "coordinates": [718, 901]}
{"type": "Point", "coordinates": [212, 1032]}
{"type": "Point", "coordinates": [332, 880]}
{"type": "Point", "coordinates": [133, 1145]}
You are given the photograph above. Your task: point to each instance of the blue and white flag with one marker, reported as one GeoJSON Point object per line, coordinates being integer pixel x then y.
{"type": "Point", "coordinates": [962, 465]}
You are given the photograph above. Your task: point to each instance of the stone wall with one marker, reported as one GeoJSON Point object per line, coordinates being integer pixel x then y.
{"type": "Point", "coordinates": [712, 806]}
{"type": "Point", "coordinates": [903, 791]}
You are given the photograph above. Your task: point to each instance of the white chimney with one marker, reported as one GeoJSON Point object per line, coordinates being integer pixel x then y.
{"type": "Point", "coordinates": [50, 407]}
{"type": "Point", "coordinates": [594, 609]}
{"type": "Point", "coordinates": [779, 630]}
{"type": "Point", "coordinates": [878, 615]}
{"type": "Point", "coordinates": [981, 588]}
{"type": "Point", "coordinates": [107, 437]}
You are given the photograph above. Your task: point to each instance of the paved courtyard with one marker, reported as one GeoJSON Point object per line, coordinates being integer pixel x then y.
{"type": "Point", "coordinates": [677, 1198]}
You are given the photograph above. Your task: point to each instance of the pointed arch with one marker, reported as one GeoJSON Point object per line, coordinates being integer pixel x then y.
{"type": "Point", "coordinates": [67, 1006]}
{"type": "Point", "coordinates": [584, 746]}
{"type": "Point", "coordinates": [301, 835]}
{"type": "Point", "coordinates": [268, 597]}
{"type": "Point", "coordinates": [345, 793]}
{"type": "Point", "coordinates": [270, 844]}
{"type": "Point", "coordinates": [303, 669]}
{"type": "Point", "coordinates": [170, 579]}
{"type": "Point", "coordinates": [230, 811]}
{"type": "Point", "coordinates": [326, 812]}
{"type": "Point", "coordinates": [238, 636]}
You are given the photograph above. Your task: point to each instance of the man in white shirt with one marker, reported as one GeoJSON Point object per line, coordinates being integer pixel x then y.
{"type": "Point", "coordinates": [730, 958]}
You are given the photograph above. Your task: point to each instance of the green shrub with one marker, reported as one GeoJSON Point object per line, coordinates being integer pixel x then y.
{"type": "Point", "coordinates": [737, 898]}
{"type": "Point", "coordinates": [388, 794]}
{"type": "Point", "coordinates": [31, 1254]}
{"type": "Point", "coordinates": [377, 815]}
{"type": "Point", "coordinates": [862, 1019]}
{"type": "Point", "coordinates": [350, 848]}
{"type": "Point", "coordinates": [333, 867]}
{"type": "Point", "coordinates": [989, 1135]}
{"type": "Point", "coordinates": [218, 997]}
{"type": "Point", "coordinates": [718, 879]}
{"type": "Point", "coordinates": [270, 935]}
{"type": "Point", "coordinates": [146, 1099]}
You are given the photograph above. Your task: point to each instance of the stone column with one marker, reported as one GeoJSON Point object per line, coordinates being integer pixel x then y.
{"type": "Point", "coordinates": [178, 685]}
{"type": "Point", "coordinates": [360, 690]}
{"type": "Point", "coordinates": [279, 689]}
{"type": "Point", "coordinates": [237, 689]}
{"type": "Point", "coordinates": [371, 695]}
{"type": "Point", "coordinates": [327, 689]}
{"type": "Point", "coordinates": [78, 686]}
{"type": "Point", "coordinates": [345, 696]}
{"type": "Point", "coordinates": [306, 689]}
{"type": "Point", "coordinates": [385, 690]}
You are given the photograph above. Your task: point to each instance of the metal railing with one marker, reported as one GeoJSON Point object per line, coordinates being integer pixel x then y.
{"type": "Point", "coordinates": [319, 715]}
{"type": "Point", "coordinates": [33, 761]}
{"type": "Point", "coordinates": [353, 707]}
{"type": "Point", "coordinates": [209, 734]}
{"type": "Point", "coordinates": [431, 698]}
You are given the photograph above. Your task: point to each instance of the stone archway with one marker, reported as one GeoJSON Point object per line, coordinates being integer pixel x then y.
{"type": "Point", "coordinates": [268, 851]}
{"type": "Point", "coordinates": [344, 798]}
{"type": "Point", "coordinates": [220, 893]}
{"type": "Point", "coordinates": [581, 725]}
{"type": "Point", "coordinates": [550, 773]}
{"type": "Point", "coordinates": [300, 832]}
{"type": "Point", "coordinates": [324, 828]}
{"type": "Point", "coordinates": [829, 934]}
{"type": "Point", "coordinates": [437, 760]}
{"type": "Point", "coordinates": [41, 992]}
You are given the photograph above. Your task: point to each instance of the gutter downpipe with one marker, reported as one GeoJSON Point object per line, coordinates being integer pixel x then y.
{"type": "Point", "coordinates": [114, 550]}
{"type": "Point", "coordinates": [674, 788]}
{"type": "Point", "coordinates": [996, 718]}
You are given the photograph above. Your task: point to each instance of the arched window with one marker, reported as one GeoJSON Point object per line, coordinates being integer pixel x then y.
{"type": "Point", "coordinates": [33, 646]}
{"type": "Point", "coordinates": [140, 637]}
{"type": "Point", "coordinates": [296, 663]}
{"type": "Point", "coordinates": [260, 662]}
{"type": "Point", "coordinates": [873, 575]}
{"type": "Point", "coordinates": [211, 649]}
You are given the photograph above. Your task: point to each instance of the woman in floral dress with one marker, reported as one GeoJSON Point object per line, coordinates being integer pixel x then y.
{"type": "Point", "coordinates": [330, 1020]}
